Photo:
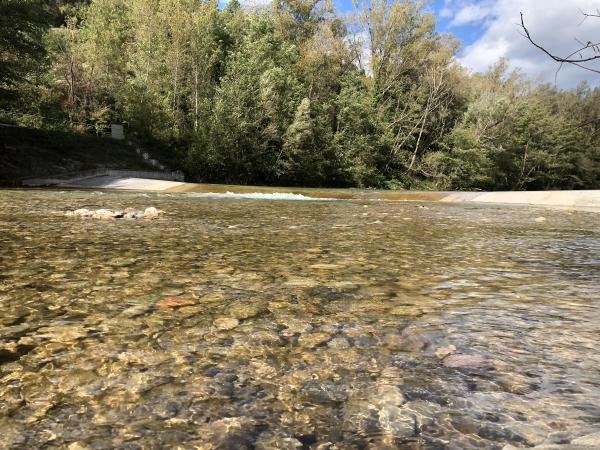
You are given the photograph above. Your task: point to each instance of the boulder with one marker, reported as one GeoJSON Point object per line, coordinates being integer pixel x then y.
{"type": "Point", "coordinates": [152, 213]}
{"type": "Point", "coordinates": [103, 214]}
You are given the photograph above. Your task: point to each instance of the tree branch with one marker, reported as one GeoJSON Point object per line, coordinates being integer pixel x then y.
{"type": "Point", "coordinates": [595, 47]}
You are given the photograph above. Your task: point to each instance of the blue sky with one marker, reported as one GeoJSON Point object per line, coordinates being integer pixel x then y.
{"type": "Point", "coordinates": [466, 33]}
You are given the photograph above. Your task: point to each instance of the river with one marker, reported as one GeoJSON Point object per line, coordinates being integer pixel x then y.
{"type": "Point", "coordinates": [280, 324]}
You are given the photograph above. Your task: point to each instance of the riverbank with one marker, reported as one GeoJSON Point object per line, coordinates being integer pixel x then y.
{"type": "Point", "coordinates": [581, 200]}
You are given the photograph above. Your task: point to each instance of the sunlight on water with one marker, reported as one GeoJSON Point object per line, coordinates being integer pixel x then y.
{"type": "Point", "coordinates": [278, 325]}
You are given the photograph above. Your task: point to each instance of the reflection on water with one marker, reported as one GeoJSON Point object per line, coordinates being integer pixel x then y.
{"type": "Point", "coordinates": [325, 325]}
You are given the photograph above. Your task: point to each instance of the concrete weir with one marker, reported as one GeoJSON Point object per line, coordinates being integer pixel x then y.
{"type": "Point", "coordinates": [581, 200]}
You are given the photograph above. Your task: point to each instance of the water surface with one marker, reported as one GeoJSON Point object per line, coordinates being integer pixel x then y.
{"type": "Point", "coordinates": [232, 323]}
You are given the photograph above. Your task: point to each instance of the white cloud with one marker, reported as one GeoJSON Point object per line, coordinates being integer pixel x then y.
{"type": "Point", "coordinates": [556, 24]}
{"type": "Point", "coordinates": [469, 14]}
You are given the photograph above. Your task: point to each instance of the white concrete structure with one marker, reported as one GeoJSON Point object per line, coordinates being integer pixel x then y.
{"type": "Point", "coordinates": [117, 132]}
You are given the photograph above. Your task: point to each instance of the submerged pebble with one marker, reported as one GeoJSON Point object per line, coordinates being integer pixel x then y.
{"type": "Point", "coordinates": [176, 302]}
{"type": "Point", "coordinates": [226, 323]}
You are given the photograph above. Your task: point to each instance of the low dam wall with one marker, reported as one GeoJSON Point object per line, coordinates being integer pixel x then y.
{"type": "Point", "coordinates": [69, 178]}
{"type": "Point", "coordinates": [173, 182]}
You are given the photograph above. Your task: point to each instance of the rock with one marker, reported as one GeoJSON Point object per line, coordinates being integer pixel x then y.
{"type": "Point", "coordinates": [533, 434]}
{"type": "Point", "coordinates": [592, 440]}
{"type": "Point", "coordinates": [388, 395]}
{"type": "Point", "coordinates": [231, 432]}
{"type": "Point", "coordinates": [77, 446]}
{"type": "Point", "coordinates": [62, 333]}
{"type": "Point", "coordinates": [127, 213]}
{"type": "Point", "coordinates": [494, 432]}
{"type": "Point", "coordinates": [152, 213]}
{"type": "Point", "coordinates": [442, 352]}
{"type": "Point", "coordinates": [103, 214]}
{"type": "Point", "coordinates": [83, 212]}
{"type": "Point", "coordinates": [276, 441]}
{"type": "Point", "coordinates": [339, 343]}
{"type": "Point", "coordinates": [226, 323]}
{"type": "Point", "coordinates": [312, 340]}
{"type": "Point", "coordinates": [461, 361]}
{"type": "Point", "coordinates": [244, 310]}
{"type": "Point", "coordinates": [176, 302]}
{"type": "Point", "coordinates": [295, 326]}
{"type": "Point", "coordinates": [137, 310]}
{"type": "Point", "coordinates": [324, 393]}
{"type": "Point", "coordinates": [516, 384]}
{"type": "Point", "coordinates": [396, 422]}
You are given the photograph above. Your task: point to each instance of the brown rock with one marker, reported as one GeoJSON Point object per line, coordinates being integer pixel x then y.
{"type": "Point", "coordinates": [176, 302]}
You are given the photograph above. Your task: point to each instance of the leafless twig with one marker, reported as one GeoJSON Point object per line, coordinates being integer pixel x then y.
{"type": "Point", "coordinates": [586, 47]}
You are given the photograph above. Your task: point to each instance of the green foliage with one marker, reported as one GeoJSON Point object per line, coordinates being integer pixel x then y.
{"type": "Point", "coordinates": [295, 94]}
{"type": "Point", "coordinates": [22, 25]}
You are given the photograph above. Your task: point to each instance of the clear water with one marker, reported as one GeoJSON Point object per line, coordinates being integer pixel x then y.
{"type": "Point", "coordinates": [321, 325]}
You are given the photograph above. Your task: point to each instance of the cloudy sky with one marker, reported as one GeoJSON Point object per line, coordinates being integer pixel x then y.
{"type": "Point", "coordinates": [490, 30]}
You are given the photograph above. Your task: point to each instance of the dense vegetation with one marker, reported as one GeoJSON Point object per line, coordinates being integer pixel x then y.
{"type": "Point", "coordinates": [294, 94]}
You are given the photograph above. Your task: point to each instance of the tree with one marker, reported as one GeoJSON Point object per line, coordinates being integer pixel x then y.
{"type": "Point", "coordinates": [22, 26]}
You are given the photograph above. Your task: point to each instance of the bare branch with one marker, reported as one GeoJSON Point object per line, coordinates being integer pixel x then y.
{"type": "Point", "coordinates": [579, 62]}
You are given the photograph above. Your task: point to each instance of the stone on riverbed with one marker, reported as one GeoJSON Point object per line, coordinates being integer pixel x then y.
{"type": "Point", "coordinates": [176, 302]}
{"type": "Point", "coordinates": [151, 213]}
{"type": "Point", "coordinates": [276, 441]}
{"type": "Point", "coordinates": [590, 439]}
{"type": "Point", "coordinates": [105, 214]}
{"type": "Point", "coordinates": [226, 323]}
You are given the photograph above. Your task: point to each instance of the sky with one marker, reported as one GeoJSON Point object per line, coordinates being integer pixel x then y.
{"type": "Point", "coordinates": [490, 30]}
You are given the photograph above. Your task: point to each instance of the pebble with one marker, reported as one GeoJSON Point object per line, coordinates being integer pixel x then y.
{"type": "Point", "coordinates": [442, 352]}
{"type": "Point", "coordinates": [226, 323]}
{"type": "Point", "coordinates": [590, 439]}
{"type": "Point", "coordinates": [312, 340]}
{"type": "Point", "coordinates": [276, 441]}
{"type": "Point", "coordinates": [176, 302]}
{"type": "Point", "coordinates": [338, 343]}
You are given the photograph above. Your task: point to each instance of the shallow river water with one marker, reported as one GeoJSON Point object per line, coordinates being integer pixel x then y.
{"type": "Point", "coordinates": [236, 324]}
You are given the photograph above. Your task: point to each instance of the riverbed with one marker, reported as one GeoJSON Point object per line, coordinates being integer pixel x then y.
{"type": "Point", "coordinates": [293, 323]}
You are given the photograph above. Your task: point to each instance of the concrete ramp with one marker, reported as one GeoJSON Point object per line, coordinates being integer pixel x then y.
{"type": "Point", "coordinates": [587, 199]}
{"type": "Point", "coordinates": [127, 183]}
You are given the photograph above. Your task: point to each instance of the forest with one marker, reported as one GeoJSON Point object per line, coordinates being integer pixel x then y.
{"type": "Point", "coordinates": [294, 93]}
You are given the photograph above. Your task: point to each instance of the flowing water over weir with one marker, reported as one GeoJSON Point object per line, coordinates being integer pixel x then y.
{"type": "Point", "coordinates": [243, 323]}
